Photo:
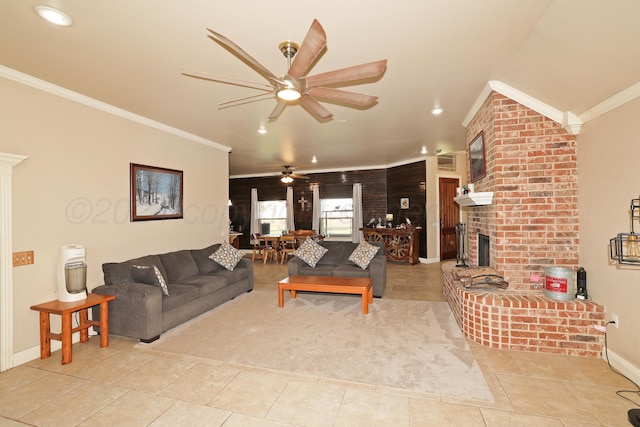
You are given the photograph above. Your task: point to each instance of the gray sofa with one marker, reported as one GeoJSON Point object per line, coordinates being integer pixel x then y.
{"type": "Point", "coordinates": [195, 284]}
{"type": "Point", "coordinates": [336, 263]}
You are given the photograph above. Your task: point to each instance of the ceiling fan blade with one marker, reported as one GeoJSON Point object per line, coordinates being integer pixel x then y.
{"type": "Point", "coordinates": [244, 56]}
{"type": "Point", "coordinates": [277, 110]}
{"type": "Point", "coordinates": [246, 100]}
{"type": "Point", "coordinates": [332, 94]}
{"type": "Point", "coordinates": [349, 74]}
{"type": "Point", "coordinates": [314, 107]}
{"type": "Point", "coordinates": [311, 46]}
{"type": "Point", "coordinates": [227, 80]}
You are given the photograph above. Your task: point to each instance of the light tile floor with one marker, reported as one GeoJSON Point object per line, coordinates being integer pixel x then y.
{"type": "Point", "coordinates": [123, 386]}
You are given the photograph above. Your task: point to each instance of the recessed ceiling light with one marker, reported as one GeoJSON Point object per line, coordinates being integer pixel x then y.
{"type": "Point", "coordinates": [54, 16]}
{"type": "Point", "coordinates": [314, 159]}
{"type": "Point", "coordinates": [437, 111]}
{"type": "Point", "coordinates": [424, 150]}
{"type": "Point", "coordinates": [262, 131]}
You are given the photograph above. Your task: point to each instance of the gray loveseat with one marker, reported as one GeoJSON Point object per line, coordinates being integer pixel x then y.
{"type": "Point", "coordinates": [195, 284]}
{"type": "Point", "coordinates": [336, 263]}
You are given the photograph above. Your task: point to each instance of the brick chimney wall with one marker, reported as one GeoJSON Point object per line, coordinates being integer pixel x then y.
{"type": "Point", "coordinates": [531, 167]}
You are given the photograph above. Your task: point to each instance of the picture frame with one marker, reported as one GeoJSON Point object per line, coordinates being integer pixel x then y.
{"type": "Point", "coordinates": [477, 158]}
{"type": "Point", "coordinates": [156, 193]}
{"type": "Point", "coordinates": [404, 203]}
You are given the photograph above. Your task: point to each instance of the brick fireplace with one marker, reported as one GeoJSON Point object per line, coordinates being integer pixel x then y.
{"type": "Point", "coordinates": [532, 171]}
{"type": "Point", "coordinates": [531, 224]}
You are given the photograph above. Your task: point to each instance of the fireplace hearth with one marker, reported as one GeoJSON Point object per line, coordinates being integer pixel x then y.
{"type": "Point", "coordinates": [519, 320]}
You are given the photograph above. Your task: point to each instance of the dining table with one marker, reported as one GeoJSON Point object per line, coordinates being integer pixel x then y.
{"type": "Point", "coordinates": [272, 246]}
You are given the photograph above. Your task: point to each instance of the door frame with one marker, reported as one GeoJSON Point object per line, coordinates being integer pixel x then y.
{"type": "Point", "coordinates": [462, 214]}
{"type": "Point", "coordinates": [7, 163]}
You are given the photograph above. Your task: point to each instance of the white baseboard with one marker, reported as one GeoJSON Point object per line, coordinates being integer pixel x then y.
{"type": "Point", "coordinates": [428, 260]}
{"type": "Point", "coordinates": [625, 367]}
{"type": "Point", "coordinates": [34, 352]}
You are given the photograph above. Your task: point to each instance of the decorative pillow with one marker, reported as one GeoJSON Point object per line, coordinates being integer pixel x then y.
{"type": "Point", "coordinates": [227, 256]}
{"type": "Point", "coordinates": [149, 274]}
{"type": "Point", "coordinates": [310, 252]}
{"type": "Point", "coordinates": [363, 254]}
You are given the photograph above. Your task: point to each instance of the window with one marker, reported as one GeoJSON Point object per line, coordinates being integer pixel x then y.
{"type": "Point", "coordinates": [272, 215]}
{"type": "Point", "coordinates": [336, 217]}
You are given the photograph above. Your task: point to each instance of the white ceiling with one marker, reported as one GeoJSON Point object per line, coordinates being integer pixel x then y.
{"type": "Point", "coordinates": [569, 54]}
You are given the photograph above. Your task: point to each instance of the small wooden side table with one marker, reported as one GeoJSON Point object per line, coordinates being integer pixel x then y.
{"type": "Point", "coordinates": [65, 309]}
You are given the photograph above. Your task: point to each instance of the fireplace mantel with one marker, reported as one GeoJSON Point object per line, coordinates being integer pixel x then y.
{"type": "Point", "coordinates": [475, 199]}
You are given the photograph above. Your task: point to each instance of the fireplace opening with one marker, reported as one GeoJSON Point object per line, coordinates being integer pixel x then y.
{"type": "Point", "coordinates": [484, 258]}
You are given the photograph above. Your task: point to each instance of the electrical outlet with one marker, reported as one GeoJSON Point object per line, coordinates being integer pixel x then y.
{"type": "Point", "coordinates": [616, 320]}
{"type": "Point", "coordinates": [22, 258]}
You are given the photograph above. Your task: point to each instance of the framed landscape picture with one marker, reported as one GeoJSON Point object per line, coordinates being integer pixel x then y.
{"type": "Point", "coordinates": [477, 160]}
{"type": "Point", "coordinates": [156, 193]}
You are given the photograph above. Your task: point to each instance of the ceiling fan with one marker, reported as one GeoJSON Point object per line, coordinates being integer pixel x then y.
{"type": "Point", "coordinates": [295, 86]}
{"type": "Point", "coordinates": [288, 175]}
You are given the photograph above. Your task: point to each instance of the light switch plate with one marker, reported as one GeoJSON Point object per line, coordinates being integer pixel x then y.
{"type": "Point", "coordinates": [22, 258]}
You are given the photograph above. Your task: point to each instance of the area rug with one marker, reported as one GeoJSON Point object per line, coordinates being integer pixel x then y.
{"type": "Point", "coordinates": [411, 345]}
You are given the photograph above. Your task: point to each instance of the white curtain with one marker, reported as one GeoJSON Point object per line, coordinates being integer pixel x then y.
{"type": "Point", "coordinates": [356, 234]}
{"type": "Point", "coordinates": [255, 222]}
{"type": "Point", "coordinates": [315, 214]}
{"type": "Point", "coordinates": [291, 225]}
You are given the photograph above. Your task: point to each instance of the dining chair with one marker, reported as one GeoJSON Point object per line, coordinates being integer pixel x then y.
{"type": "Point", "coordinates": [272, 247]}
{"type": "Point", "coordinates": [303, 234]}
{"type": "Point", "coordinates": [288, 245]}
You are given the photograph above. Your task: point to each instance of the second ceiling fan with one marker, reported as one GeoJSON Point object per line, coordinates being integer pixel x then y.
{"type": "Point", "coordinates": [295, 87]}
{"type": "Point", "coordinates": [288, 175]}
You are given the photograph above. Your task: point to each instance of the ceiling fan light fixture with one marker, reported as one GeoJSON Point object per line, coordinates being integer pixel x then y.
{"type": "Point", "coordinates": [288, 94]}
{"type": "Point", "coordinates": [54, 16]}
{"type": "Point", "coordinates": [286, 179]}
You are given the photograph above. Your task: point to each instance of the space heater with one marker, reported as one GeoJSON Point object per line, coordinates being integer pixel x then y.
{"type": "Point", "coordinates": [72, 273]}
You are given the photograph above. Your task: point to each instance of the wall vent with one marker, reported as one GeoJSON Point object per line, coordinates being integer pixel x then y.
{"type": "Point", "coordinates": [447, 162]}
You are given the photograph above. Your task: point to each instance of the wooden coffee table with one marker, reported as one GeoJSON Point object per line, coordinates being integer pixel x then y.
{"type": "Point", "coordinates": [338, 285]}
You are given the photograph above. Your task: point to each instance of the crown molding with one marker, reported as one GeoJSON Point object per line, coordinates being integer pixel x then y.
{"type": "Point", "coordinates": [45, 86]}
{"type": "Point", "coordinates": [620, 98]}
{"type": "Point", "coordinates": [484, 94]}
{"type": "Point", "coordinates": [329, 170]}
{"type": "Point", "coordinates": [569, 121]}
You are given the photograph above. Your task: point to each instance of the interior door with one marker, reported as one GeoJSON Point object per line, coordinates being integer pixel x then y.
{"type": "Point", "coordinates": [449, 217]}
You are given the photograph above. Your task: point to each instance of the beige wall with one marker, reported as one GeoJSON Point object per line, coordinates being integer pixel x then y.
{"type": "Point", "coordinates": [433, 209]}
{"type": "Point", "coordinates": [608, 177]}
{"type": "Point", "coordinates": [74, 188]}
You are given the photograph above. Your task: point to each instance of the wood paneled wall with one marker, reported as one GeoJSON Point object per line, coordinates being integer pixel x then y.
{"type": "Point", "coordinates": [381, 192]}
{"type": "Point", "coordinates": [409, 181]}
